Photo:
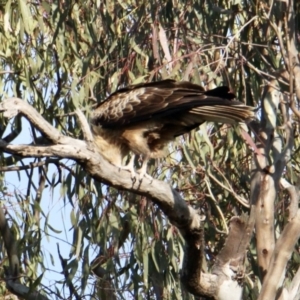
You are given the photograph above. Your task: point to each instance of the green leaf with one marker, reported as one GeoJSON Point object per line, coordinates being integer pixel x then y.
{"type": "Point", "coordinates": [28, 21]}
{"type": "Point", "coordinates": [53, 229]}
{"type": "Point", "coordinates": [7, 24]}
{"type": "Point", "coordinates": [153, 255]}
{"type": "Point", "coordinates": [74, 219]}
{"type": "Point", "coordinates": [37, 282]}
{"type": "Point", "coordinates": [145, 268]}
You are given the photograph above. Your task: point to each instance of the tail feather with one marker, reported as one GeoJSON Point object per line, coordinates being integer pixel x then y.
{"type": "Point", "coordinates": [224, 114]}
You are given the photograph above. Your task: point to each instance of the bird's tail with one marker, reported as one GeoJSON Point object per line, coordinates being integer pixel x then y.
{"type": "Point", "coordinates": [231, 112]}
{"type": "Point", "coordinates": [219, 107]}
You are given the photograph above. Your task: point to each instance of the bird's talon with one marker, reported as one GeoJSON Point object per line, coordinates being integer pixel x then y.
{"type": "Point", "coordinates": [143, 175]}
{"type": "Point", "coordinates": [133, 178]}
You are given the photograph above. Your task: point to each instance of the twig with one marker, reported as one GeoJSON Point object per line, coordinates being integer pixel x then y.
{"type": "Point", "coordinates": [86, 130]}
{"type": "Point", "coordinates": [225, 50]}
{"type": "Point", "coordinates": [217, 206]}
{"type": "Point", "coordinates": [281, 45]}
{"type": "Point", "coordinates": [73, 291]}
{"type": "Point", "coordinates": [262, 73]}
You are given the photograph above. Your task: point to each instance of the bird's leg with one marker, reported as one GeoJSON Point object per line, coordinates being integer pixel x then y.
{"type": "Point", "coordinates": [130, 166]}
{"type": "Point", "coordinates": [143, 170]}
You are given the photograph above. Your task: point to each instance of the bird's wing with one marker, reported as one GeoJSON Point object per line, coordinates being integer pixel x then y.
{"type": "Point", "coordinates": [164, 99]}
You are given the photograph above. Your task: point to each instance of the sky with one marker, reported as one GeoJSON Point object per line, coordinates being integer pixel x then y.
{"type": "Point", "coordinates": [52, 204]}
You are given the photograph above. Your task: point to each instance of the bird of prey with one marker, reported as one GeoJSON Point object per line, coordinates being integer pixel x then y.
{"type": "Point", "coordinates": [143, 118]}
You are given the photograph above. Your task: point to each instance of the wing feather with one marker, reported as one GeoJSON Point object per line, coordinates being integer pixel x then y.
{"type": "Point", "coordinates": [166, 98]}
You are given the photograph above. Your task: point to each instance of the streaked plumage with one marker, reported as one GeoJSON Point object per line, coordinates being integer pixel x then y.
{"type": "Point", "coordinates": [143, 118]}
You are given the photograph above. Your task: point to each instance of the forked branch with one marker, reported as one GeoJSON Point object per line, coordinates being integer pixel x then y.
{"type": "Point", "coordinates": [169, 201]}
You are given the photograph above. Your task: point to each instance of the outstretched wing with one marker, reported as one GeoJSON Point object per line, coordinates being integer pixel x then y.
{"type": "Point", "coordinates": [166, 98]}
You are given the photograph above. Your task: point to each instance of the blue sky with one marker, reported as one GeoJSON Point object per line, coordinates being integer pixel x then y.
{"type": "Point", "coordinates": [52, 204]}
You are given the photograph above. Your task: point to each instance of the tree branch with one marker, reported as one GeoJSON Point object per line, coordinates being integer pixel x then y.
{"type": "Point", "coordinates": [29, 166]}
{"type": "Point", "coordinates": [263, 183]}
{"type": "Point", "coordinates": [168, 200]}
{"type": "Point", "coordinates": [294, 288]}
{"type": "Point", "coordinates": [281, 255]}
{"type": "Point", "coordinates": [65, 147]}
{"type": "Point", "coordinates": [14, 106]}
{"type": "Point", "coordinates": [23, 291]}
{"type": "Point", "coordinates": [86, 130]}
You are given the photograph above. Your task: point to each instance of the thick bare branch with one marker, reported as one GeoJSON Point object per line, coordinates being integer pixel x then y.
{"type": "Point", "coordinates": [14, 106]}
{"type": "Point", "coordinates": [294, 288]}
{"type": "Point", "coordinates": [281, 255]}
{"type": "Point", "coordinates": [168, 199]}
{"type": "Point", "coordinates": [74, 151]}
{"type": "Point", "coordinates": [229, 264]}
{"type": "Point", "coordinates": [263, 183]}
{"type": "Point", "coordinates": [192, 274]}
{"type": "Point", "coordinates": [24, 292]}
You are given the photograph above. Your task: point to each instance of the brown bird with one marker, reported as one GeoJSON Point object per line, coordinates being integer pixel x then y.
{"type": "Point", "coordinates": [143, 118]}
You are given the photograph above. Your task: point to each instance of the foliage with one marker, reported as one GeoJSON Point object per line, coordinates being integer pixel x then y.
{"type": "Point", "coordinates": [60, 55]}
